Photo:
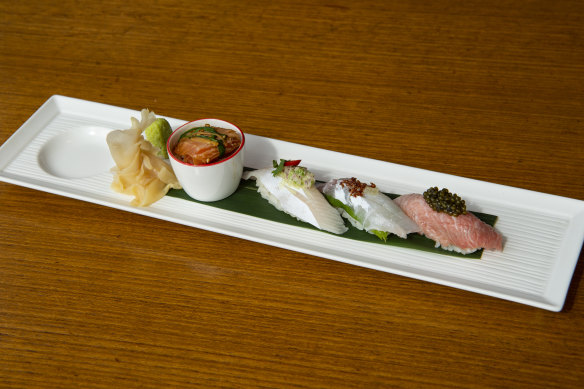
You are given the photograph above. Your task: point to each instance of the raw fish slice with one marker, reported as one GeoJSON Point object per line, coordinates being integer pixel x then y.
{"type": "Point", "coordinates": [307, 205]}
{"type": "Point", "coordinates": [370, 210]}
{"type": "Point", "coordinates": [464, 233]}
{"type": "Point", "coordinates": [200, 150]}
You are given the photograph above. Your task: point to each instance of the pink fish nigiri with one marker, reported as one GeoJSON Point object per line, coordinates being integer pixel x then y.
{"type": "Point", "coordinates": [464, 233]}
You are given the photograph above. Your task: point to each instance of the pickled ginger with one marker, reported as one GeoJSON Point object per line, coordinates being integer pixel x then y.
{"type": "Point", "coordinates": [139, 170]}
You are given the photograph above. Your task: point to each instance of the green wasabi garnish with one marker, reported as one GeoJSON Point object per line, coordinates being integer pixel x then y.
{"type": "Point", "coordinates": [157, 133]}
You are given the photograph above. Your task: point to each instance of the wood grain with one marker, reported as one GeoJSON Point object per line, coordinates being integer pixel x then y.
{"type": "Point", "coordinates": [95, 297]}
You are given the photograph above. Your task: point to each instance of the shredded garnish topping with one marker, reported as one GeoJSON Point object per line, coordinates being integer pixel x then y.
{"type": "Point", "coordinates": [293, 174]}
{"type": "Point", "coordinates": [355, 186]}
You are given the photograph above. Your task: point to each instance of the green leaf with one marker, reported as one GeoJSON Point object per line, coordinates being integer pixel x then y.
{"type": "Point", "coordinates": [279, 167]}
{"type": "Point", "coordinates": [246, 200]}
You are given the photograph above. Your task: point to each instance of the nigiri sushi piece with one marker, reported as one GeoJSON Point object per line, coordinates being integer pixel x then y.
{"type": "Point", "coordinates": [464, 233]}
{"type": "Point", "coordinates": [367, 208]}
{"type": "Point", "coordinates": [291, 189]}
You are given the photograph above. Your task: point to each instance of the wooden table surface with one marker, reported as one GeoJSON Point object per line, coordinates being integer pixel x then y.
{"type": "Point", "coordinates": [94, 297]}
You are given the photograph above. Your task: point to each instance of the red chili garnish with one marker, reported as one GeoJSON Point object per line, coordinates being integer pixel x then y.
{"type": "Point", "coordinates": [279, 167]}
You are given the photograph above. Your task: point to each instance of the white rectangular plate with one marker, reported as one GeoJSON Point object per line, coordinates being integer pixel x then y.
{"type": "Point", "coordinates": [544, 233]}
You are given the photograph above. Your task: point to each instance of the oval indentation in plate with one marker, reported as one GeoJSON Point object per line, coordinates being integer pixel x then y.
{"type": "Point", "coordinates": [79, 153]}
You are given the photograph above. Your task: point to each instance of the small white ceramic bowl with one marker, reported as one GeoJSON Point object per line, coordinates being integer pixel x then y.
{"type": "Point", "coordinates": [214, 181]}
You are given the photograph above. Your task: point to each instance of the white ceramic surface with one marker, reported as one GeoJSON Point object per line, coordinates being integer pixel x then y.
{"type": "Point", "coordinates": [77, 154]}
{"type": "Point", "coordinates": [213, 181]}
{"type": "Point", "coordinates": [544, 233]}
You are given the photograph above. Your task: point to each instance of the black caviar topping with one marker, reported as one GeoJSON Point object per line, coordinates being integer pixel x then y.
{"type": "Point", "coordinates": [444, 201]}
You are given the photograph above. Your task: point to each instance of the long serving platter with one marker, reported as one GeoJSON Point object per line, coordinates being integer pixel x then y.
{"type": "Point", "coordinates": [543, 233]}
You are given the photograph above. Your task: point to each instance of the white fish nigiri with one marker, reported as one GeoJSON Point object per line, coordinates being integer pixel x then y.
{"type": "Point", "coordinates": [292, 190]}
{"type": "Point", "coordinates": [367, 208]}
